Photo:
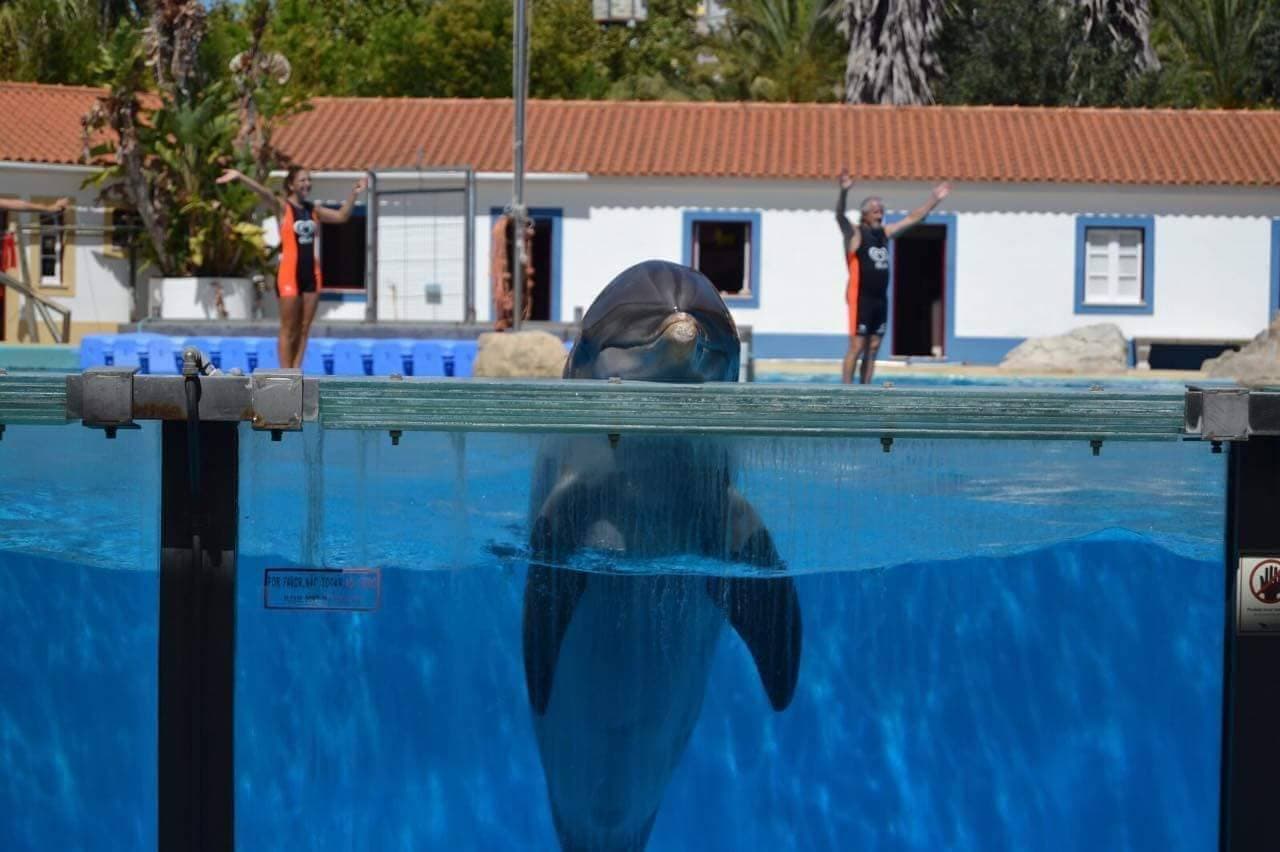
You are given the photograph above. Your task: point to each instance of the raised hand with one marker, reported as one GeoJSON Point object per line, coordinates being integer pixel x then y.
{"type": "Point", "coordinates": [228, 175]}
{"type": "Point", "coordinates": [361, 185]}
{"type": "Point", "coordinates": [61, 204]}
{"type": "Point", "coordinates": [845, 180]}
{"type": "Point", "coordinates": [941, 191]}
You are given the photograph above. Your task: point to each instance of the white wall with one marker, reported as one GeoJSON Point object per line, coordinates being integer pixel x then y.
{"type": "Point", "coordinates": [101, 294]}
{"type": "Point", "coordinates": [1015, 248]}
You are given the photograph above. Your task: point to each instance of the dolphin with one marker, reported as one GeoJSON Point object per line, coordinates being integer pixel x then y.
{"type": "Point", "coordinates": [617, 660]}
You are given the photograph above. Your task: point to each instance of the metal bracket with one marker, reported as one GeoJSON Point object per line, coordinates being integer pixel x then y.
{"type": "Point", "coordinates": [1218, 414]}
{"type": "Point", "coordinates": [106, 398]}
{"type": "Point", "coordinates": [276, 397]}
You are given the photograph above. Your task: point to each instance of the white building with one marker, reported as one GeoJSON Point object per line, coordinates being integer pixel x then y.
{"type": "Point", "coordinates": [1162, 222]}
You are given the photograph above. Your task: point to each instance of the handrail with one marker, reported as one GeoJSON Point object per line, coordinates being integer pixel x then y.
{"type": "Point", "coordinates": [283, 400]}
{"type": "Point", "coordinates": [43, 305]}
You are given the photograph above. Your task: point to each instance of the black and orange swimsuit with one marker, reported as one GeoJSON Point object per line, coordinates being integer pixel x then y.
{"type": "Point", "coordinates": [299, 272]}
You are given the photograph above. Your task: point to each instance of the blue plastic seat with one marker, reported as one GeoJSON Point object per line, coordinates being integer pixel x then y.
{"type": "Point", "coordinates": [264, 353]}
{"type": "Point", "coordinates": [163, 356]}
{"type": "Point", "coordinates": [428, 358]}
{"type": "Point", "coordinates": [348, 358]}
{"type": "Point", "coordinates": [317, 360]}
{"type": "Point", "coordinates": [464, 359]}
{"type": "Point", "coordinates": [234, 354]}
{"type": "Point", "coordinates": [389, 357]}
{"type": "Point", "coordinates": [94, 348]}
{"type": "Point", "coordinates": [124, 352]}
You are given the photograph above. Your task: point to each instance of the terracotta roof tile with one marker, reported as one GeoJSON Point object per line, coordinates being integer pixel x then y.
{"type": "Point", "coordinates": [768, 141]}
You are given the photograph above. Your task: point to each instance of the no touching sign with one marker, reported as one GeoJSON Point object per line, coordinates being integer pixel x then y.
{"type": "Point", "coordinates": [1258, 595]}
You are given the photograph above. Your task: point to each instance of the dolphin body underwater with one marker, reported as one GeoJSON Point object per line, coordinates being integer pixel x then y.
{"type": "Point", "coordinates": [616, 662]}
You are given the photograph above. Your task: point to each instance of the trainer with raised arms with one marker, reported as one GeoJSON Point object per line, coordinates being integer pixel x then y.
{"type": "Point", "coordinates": [866, 253]}
{"type": "Point", "coordinates": [298, 279]}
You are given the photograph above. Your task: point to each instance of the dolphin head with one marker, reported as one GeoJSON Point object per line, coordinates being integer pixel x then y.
{"type": "Point", "coordinates": [657, 322]}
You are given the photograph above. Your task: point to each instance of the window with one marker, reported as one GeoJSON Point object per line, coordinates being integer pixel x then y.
{"type": "Point", "coordinates": [124, 227]}
{"type": "Point", "coordinates": [1113, 266]}
{"type": "Point", "coordinates": [1114, 269]}
{"type": "Point", "coordinates": [725, 248]}
{"type": "Point", "coordinates": [342, 252]}
{"type": "Point", "coordinates": [51, 249]}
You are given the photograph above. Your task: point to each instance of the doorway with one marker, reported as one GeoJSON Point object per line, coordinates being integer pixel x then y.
{"type": "Point", "coordinates": [545, 252]}
{"type": "Point", "coordinates": [919, 292]}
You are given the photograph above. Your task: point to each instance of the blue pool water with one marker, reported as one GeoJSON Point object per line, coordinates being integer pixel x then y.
{"type": "Point", "coordinates": [1009, 645]}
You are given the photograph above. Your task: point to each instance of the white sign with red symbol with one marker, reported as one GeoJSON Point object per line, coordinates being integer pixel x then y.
{"type": "Point", "coordinates": [1258, 595]}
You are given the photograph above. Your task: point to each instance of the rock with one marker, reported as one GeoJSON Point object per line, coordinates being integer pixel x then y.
{"type": "Point", "coordinates": [1256, 365]}
{"type": "Point", "coordinates": [1091, 349]}
{"type": "Point", "coordinates": [520, 355]}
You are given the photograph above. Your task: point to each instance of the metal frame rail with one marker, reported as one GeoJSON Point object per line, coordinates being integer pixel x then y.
{"type": "Point", "coordinates": [200, 482]}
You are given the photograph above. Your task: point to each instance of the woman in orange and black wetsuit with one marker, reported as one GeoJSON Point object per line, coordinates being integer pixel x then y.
{"type": "Point", "coordinates": [298, 279]}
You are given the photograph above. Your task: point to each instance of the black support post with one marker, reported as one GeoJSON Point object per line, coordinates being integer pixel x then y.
{"type": "Point", "coordinates": [197, 637]}
{"type": "Point", "coordinates": [1251, 711]}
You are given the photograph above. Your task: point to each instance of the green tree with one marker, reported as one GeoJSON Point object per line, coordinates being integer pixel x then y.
{"type": "Point", "coordinates": [1266, 67]}
{"type": "Point", "coordinates": [466, 49]}
{"type": "Point", "coordinates": [568, 51]}
{"type": "Point", "coordinates": [1036, 53]}
{"type": "Point", "coordinates": [782, 50]}
{"type": "Point", "coordinates": [164, 157]}
{"type": "Point", "coordinates": [1215, 44]}
{"type": "Point", "coordinates": [49, 41]}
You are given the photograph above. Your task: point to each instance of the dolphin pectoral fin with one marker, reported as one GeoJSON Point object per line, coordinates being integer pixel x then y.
{"type": "Point", "coordinates": [765, 611]}
{"type": "Point", "coordinates": [550, 596]}
{"type": "Point", "coordinates": [749, 539]}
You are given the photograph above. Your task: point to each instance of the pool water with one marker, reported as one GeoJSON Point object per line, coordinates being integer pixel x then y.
{"type": "Point", "coordinates": [1006, 645]}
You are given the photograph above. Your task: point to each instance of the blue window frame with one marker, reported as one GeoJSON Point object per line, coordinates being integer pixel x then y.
{"type": "Point", "coordinates": [1275, 268]}
{"type": "Point", "coordinates": [1115, 265]}
{"type": "Point", "coordinates": [725, 246]}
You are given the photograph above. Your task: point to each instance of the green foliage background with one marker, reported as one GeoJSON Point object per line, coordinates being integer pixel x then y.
{"type": "Point", "coordinates": [1212, 52]}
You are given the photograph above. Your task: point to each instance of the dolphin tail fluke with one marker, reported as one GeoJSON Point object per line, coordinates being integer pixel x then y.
{"type": "Point", "coordinates": [550, 595]}
{"type": "Point", "coordinates": [765, 611]}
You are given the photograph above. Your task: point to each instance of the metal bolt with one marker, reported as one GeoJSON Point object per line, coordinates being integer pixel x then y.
{"type": "Point", "coordinates": [888, 384]}
{"type": "Point", "coordinates": [1216, 446]}
{"type": "Point", "coordinates": [276, 434]}
{"type": "Point", "coordinates": [1095, 388]}
{"type": "Point", "coordinates": [615, 380]}
{"type": "Point", "coordinates": [886, 442]}
{"type": "Point", "coordinates": [1096, 444]}
{"type": "Point", "coordinates": [395, 437]}
{"type": "Point", "coordinates": [396, 377]}
{"type": "Point", "coordinates": [111, 433]}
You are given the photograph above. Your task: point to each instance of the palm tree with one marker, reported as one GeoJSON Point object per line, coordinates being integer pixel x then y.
{"type": "Point", "coordinates": [892, 50]}
{"type": "Point", "coordinates": [1219, 39]}
{"type": "Point", "coordinates": [1127, 22]}
{"type": "Point", "coordinates": [893, 57]}
{"type": "Point", "coordinates": [783, 50]}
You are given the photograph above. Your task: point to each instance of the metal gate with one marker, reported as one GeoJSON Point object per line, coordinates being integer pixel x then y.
{"type": "Point", "coordinates": [422, 232]}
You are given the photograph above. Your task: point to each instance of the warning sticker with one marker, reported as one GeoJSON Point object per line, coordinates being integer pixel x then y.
{"type": "Point", "coordinates": [1258, 595]}
{"type": "Point", "coordinates": [325, 589]}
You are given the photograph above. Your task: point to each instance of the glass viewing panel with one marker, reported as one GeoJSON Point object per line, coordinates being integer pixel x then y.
{"type": "Point", "coordinates": [1001, 644]}
{"type": "Point", "coordinates": [79, 622]}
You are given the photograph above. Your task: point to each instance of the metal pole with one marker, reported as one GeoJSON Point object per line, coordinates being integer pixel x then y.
{"type": "Point", "coordinates": [371, 250]}
{"type": "Point", "coordinates": [520, 87]}
{"type": "Point", "coordinates": [469, 269]}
